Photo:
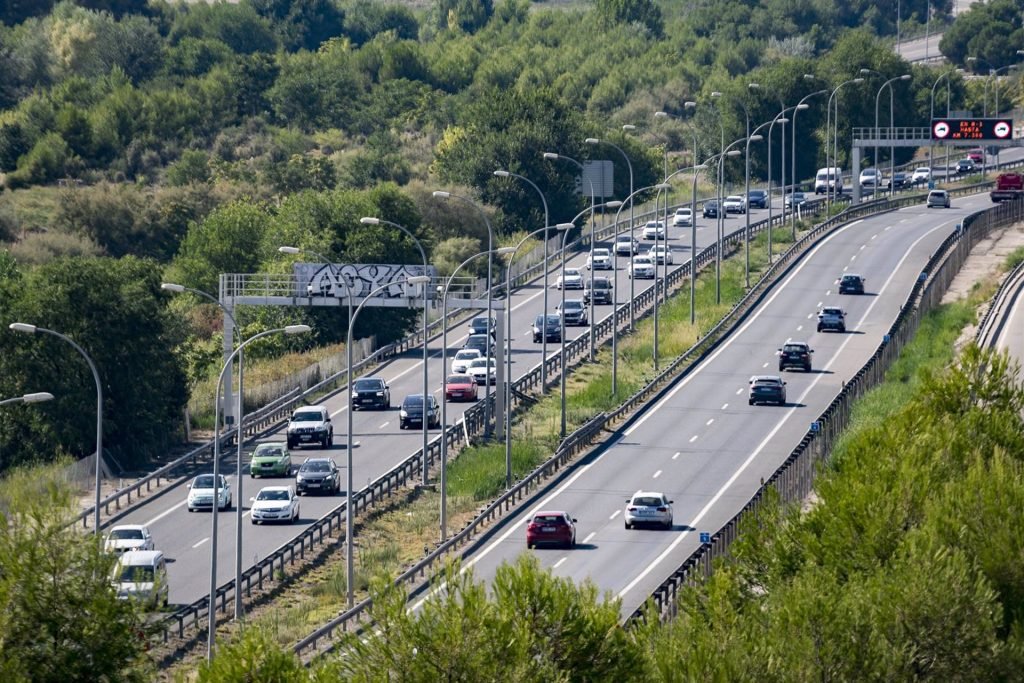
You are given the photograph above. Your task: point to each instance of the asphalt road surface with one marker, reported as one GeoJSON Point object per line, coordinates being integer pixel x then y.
{"type": "Point", "coordinates": [702, 444]}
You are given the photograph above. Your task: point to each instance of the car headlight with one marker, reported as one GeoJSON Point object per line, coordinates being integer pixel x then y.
{"type": "Point", "coordinates": [380, 393]}
{"type": "Point", "coordinates": [355, 394]}
{"type": "Point", "coordinates": [299, 477]}
{"type": "Point", "coordinates": [402, 413]}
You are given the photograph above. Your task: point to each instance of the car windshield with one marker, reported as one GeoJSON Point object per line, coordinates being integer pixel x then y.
{"type": "Point", "coordinates": [134, 573]}
{"type": "Point", "coordinates": [316, 467]}
{"type": "Point", "coordinates": [414, 401]}
{"type": "Point", "coordinates": [647, 501]}
{"type": "Point", "coordinates": [306, 416]}
{"type": "Point", "coordinates": [368, 385]}
{"type": "Point", "coordinates": [480, 323]}
{"type": "Point", "coordinates": [549, 519]}
{"type": "Point", "coordinates": [469, 353]}
{"type": "Point", "coordinates": [272, 495]}
{"type": "Point", "coordinates": [268, 450]}
{"type": "Point", "coordinates": [851, 278]}
{"type": "Point", "coordinates": [625, 238]}
{"type": "Point", "coordinates": [459, 379]}
{"type": "Point", "coordinates": [642, 260]}
{"type": "Point", "coordinates": [573, 305]}
{"type": "Point", "coordinates": [766, 383]}
{"type": "Point", "coordinates": [601, 283]}
{"type": "Point", "coordinates": [794, 348]}
{"type": "Point", "coordinates": [126, 534]}
{"type": "Point", "coordinates": [481, 362]}
{"type": "Point", "coordinates": [600, 252]}
{"type": "Point", "coordinates": [571, 272]}
{"type": "Point", "coordinates": [552, 320]}
{"type": "Point", "coordinates": [831, 311]}
{"type": "Point", "coordinates": [204, 481]}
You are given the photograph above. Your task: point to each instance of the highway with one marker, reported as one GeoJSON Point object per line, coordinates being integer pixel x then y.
{"type": "Point", "coordinates": [702, 444]}
{"type": "Point", "coordinates": [184, 537]}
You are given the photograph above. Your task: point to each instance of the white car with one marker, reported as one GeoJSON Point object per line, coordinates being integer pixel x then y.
{"type": "Point", "coordinates": [201, 493]}
{"type": "Point", "coordinates": [654, 230]}
{"type": "Point", "coordinates": [482, 370]}
{"type": "Point", "coordinates": [275, 504]}
{"type": "Point", "coordinates": [734, 204]}
{"type": "Point", "coordinates": [683, 218]}
{"type": "Point", "coordinates": [125, 537]}
{"type": "Point", "coordinates": [648, 507]}
{"type": "Point", "coordinates": [600, 260]}
{"type": "Point", "coordinates": [922, 174]}
{"type": "Point", "coordinates": [626, 245]}
{"type": "Point", "coordinates": [462, 358]}
{"type": "Point", "coordinates": [641, 267]}
{"type": "Point", "coordinates": [660, 254]}
{"type": "Point", "coordinates": [572, 279]}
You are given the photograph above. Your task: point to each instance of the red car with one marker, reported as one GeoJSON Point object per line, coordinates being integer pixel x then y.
{"type": "Point", "coordinates": [460, 388]}
{"type": "Point", "coordinates": [977, 155]}
{"type": "Point", "coordinates": [556, 528]}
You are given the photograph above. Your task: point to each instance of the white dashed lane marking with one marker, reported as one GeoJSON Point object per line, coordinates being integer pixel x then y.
{"type": "Point", "coordinates": [614, 515]}
{"type": "Point", "coordinates": [693, 438]}
{"type": "Point", "coordinates": [724, 406]}
{"type": "Point", "coordinates": [384, 425]}
{"type": "Point", "coordinates": [657, 474]}
{"type": "Point", "coordinates": [201, 542]}
{"type": "Point", "coordinates": [675, 456]}
{"type": "Point", "coordinates": [708, 423]}
{"type": "Point", "coordinates": [589, 536]}
{"type": "Point", "coordinates": [560, 562]}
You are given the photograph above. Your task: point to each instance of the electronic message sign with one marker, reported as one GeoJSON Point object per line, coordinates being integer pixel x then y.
{"type": "Point", "coordinates": [972, 129]}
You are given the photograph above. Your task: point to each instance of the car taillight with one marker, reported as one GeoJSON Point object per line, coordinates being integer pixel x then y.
{"type": "Point", "coordinates": [632, 509]}
{"type": "Point", "coordinates": [663, 509]}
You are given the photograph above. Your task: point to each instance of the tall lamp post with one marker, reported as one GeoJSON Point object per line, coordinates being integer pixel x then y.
{"type": "Point", "coordinates": [721, 238]}
{"type": "Point", "coordinates": [554, 156]}
{"type": "Point", "coordinates": [615, 287]}
{"type": "Point", "coordinates": [444, 362]}
{"type": "Point", "coordinates": [779, 118]}
{"type": "Point", "coordinates": [38, 397]}
{"type": "Point", "coordinates": [632, 225]}
{"type": "Point", "coordinates": [931, 115]}
{"type": "Point", "coordinates": [440, 194]}
{"type": "Point", "coordinates": [370, 220]}
{"type": "Point", "coordinates": [178, 289]}
{"type": "Point", "coordinates": [349, 445]}
{"type": "Point", "coordinates": [831, 192]}
{"type": "Point", "coordinates": [746, 206]}
{"type": "Point", "coordinates": [288, 329]}
{"type": "Point", "coordinates": [562, 361]}
{"type": "Point", "coordinates": [32, 329]}
{"type": "Point", "coordinates": [800, 106]}
{"type": "Point", "coordinates": [544, 340]}
{"type": "Point", "coordinates": [508, 349]}
{"type": "Point", "coordinates": [720, 212]}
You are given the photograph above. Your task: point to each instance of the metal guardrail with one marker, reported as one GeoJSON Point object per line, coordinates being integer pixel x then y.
{"type": "Point", "coordinates": [1003, 301]}
{"type": "Point", "coordinates": [794, 479]}
{"type": "Point", "coordinates": [470, 425]}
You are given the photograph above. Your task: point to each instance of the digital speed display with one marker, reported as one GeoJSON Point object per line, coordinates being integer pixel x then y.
{"type": "Point", "coordinates": [972, 129]}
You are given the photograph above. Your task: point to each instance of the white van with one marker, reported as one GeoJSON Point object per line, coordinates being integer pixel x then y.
{"type": "Point", "coordinates": [142, 575]}
{"type": "Point", "coordinates": [828, 179]}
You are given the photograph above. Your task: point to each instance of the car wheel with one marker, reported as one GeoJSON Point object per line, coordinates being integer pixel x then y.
{"type": "Point", "coordinates": [627, 525]}
{"type": "Point", "coordinates": [807, 368]}
{"type": "Point", "coordinates": [529, 546]}
{"type": "Point", "coordinates": [819, 328]}
{"type": "Point", "coordinates": [251, 475]}
{"type": "Point", "coordinates": [781, 367]}
{"type": "Point", "coordinates": [842, 328]}
{"type": "Point", "coordinates": [254, 522]}
{"type": "Point", "coordinates": [750, 402]}
{"type": "Point", "coordinates": [191, 509]}
{"type": "Point", "coordinates": [291, 444]}
{"type": "Point", "coordinates": [668, 524]}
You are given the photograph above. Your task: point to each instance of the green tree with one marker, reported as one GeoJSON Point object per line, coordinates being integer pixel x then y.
{"type": "Point", "coordinates": [461, 15]}
{"type": "Point", "coordinates": [96, 302]}
{"type": "Point", "coordinates": [60, 618]}
{"type": "Point", "coordinates": [193, 167]}
{"type": "Point", "coordinates": [222, 243]}
{"type": "Point", "coordinates": [644, 12]}
{"type": "Point", "coordinates": [301, 24]}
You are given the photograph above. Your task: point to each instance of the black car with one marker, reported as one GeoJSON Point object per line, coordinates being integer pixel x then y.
{"type": "Point", "coordinates": [795, 199]}
{"type": "Point", "coordinates": [412, 412]}
{"type": "Point", "coordinates": [479, 325]}
{"type": "Point", "coordinates": [795, 355]}
{"type": "Point", "coordinates": [371, 392]}
{"type": "Point", "coordinates": [851, 284]}
{"type": "Point", "coordinates": [901, 180]}
{"type": "Point", "coordinates": [480, 342]}
{"type": "Point", "coordinates": [551, 328]}
{"type": "Point", "coordinates": [575, 312]}
{"type": "Point", "coordinates": [757, 199]}
{"type": "Point", "coordinates": [318, 475]}
{"type": "Point", "coordinates": [602, 291]}
{"type": "Point", "coordinates": [767, 389]}
{"type": "Point", "coordinates": [710, 208]}
{"type": "Point", "coordinates": [965, 166]}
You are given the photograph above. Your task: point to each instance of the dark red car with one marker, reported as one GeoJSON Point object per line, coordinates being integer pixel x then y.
{"type": "Point", "coordinates": [460, 388]}
{"type": "Point", "coordinates": [553, 527]}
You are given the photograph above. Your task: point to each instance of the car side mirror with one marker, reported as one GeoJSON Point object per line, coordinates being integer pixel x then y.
{"type": "Point", "coordinates": [574, 520]}
{"type": "Point", "coordinates": [252, 499]}
{"type": "Point", "coordinates": [670, 502]}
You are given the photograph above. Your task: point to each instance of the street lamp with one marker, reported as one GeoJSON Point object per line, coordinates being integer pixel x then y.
{"type": "Point", "coordinates": [349, 530]}
{"type": "Point", "coordinates": [440, 194]}
{"type": "Point", "coordinates": [632, 225]}
{"type": "Point", "coordinates": [566, 227]}
{"type": "Point", "coordinates": [32, 329]}
{"type": "Point", "coordinates": [892, 160]}
{"type": "Point", "coordinates": [444, 373]}
{"type": "Point", "coordinates": [178, 289]}
{"type": "Point", "coordinates": [799, 107]}
{"type": "Point", "coordinates": [615, 287]}
{"type": "Point", "coordinates": [833, 190]}
{"type": "Point", "coordinates": [28, 398]}
{"type": "Point", "coordinates": [554, 156]}
{"type": "Point", "coordinates": [288, 329]}
{"type": "Point", "coordinates": [508, 349]}
{"type": "Point", "coordinates": [544, 202]}
{"type": "Point", "coordinates": [746, 202]}
{"type": "Point", "coordinates": [779, 118]}
{"type": "Point", "coordinates": [931, 113]}
{"type": "Point", "coordinates": [369, 220]}
{"type": "Point", "coordinates": [727, 151]}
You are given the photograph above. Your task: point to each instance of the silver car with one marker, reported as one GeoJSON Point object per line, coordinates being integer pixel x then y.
{"type": "Point", "coordinates": [648, 507]}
